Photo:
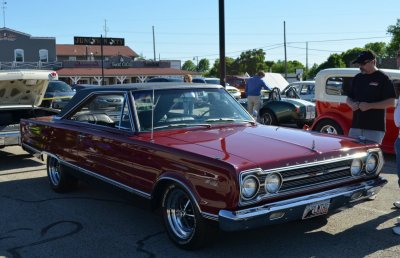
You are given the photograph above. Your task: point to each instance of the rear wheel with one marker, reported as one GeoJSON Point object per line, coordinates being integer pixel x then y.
{"type": "Point", "coordinates": [184, 224]}
{"type": "Point", "coordinates": [328, 126]}
{"type": "Point", "coordinates": [60, 180]}
{"type": "Point", "coordinates": [268, 118]}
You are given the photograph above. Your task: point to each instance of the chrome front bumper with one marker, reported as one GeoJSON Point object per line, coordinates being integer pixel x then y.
{"type": "Point", "coordinates": [9, 138]}
{"type": "Point", "coordinates": [292, 209]}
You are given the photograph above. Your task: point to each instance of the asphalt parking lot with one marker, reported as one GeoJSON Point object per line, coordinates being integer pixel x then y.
{"type": "Point", "coordinates": [98, 221]}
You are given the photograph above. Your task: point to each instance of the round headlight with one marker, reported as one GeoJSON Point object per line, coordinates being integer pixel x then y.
{"type": "Point", "coordinates": [372, 163]}
{"type": "Point", "coordinates": [356, 167]}
{"type": "Point", "coordinates": [249, 187]}
{"type": "Point", "coordinates": [273, 183]}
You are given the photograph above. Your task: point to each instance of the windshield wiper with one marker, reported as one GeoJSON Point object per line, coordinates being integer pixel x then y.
{"type": "Point", "coordinates": [181, 125]}
{"type": "Point", "coordinates": [220, 120]}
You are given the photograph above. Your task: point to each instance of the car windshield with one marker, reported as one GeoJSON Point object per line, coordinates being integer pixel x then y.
{"type": "Point", "coordinates": [187, 108]}
{"type": "Point", "coordinates": [212, 81]}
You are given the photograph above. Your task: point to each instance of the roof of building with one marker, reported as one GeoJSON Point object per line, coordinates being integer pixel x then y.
{"type": "Point", "coordinates": [131, 72]}
{"type": "Point", "coordinates": [83, 50]}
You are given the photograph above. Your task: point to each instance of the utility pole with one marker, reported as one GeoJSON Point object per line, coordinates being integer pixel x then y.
{"type": "Point", "coordinates": [222, 66]}
{"type": "Point", "coordinates": [154, 45]}
{"type": "Point", "coordinates": [3, 6]}
{"type": "Point", "coordinates": [105, 28]}
{"type": "Point", "coordinates": [284, 44]}
{"type": "Point", "coordinates": [197, 66]}
{"type": "Point", "coordinates": [102, 58]}
{"type": "Point", "coordinates": [306, 57]}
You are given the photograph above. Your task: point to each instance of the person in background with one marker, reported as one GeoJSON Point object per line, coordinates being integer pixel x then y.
{"type": "Point", "coordinates": [371, 93]}
{"type": "Point", "coordinates": [188, 97]}
{"type": "Point", "coordinates": [254, 85]}
{"type": "Point", "coordinates": [396, 229]}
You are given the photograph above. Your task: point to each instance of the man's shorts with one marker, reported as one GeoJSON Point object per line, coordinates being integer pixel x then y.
{"type": "Point", "coordinates": [364, 134]}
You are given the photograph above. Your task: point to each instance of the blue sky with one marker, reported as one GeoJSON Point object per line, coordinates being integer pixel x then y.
{"type": "Point", "coordinates": [185, 29]}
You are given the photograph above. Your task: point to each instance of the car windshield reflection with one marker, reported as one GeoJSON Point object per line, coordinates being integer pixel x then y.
{"type": "Point", "coordinates": [187, 108]}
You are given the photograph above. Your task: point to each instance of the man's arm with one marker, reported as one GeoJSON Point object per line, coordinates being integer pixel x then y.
{"type": "Point", "coordinates": [354, 105]}
{"type": "Point", "coordinates": [264, 85]}
{"type": "Point", "coordinates": [377, 105]}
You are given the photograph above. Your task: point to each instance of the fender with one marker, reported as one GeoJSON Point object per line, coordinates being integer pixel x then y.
{"type": "Point", "coordinates": [335, 117]}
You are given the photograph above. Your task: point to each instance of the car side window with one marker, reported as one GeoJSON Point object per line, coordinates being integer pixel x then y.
{"type": "Point", "coordinates": [338, 85]}
{"type": "Point", "coordinates": [105, 110]}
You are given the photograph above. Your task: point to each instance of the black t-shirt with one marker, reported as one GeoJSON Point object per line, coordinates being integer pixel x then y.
{"type": "Point", "coordinates": [370, 88]}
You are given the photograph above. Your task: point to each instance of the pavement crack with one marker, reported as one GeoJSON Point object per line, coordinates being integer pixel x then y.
{"type": "Point", "coordinates": [141, 244]}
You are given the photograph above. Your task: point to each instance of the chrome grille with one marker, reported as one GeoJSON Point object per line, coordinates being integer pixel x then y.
{"type": "Point", "coordinates": [308, 176]}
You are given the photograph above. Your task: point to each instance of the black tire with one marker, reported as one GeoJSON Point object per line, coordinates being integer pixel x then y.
{"type": "Point", "coordinates": [60, 180]}
{"type": "Point", "coordinates": [267, 117]}
{"type": "Point", "coordinates": [328, 126]}
{"type": "Point", "coordinates": [183, 222]}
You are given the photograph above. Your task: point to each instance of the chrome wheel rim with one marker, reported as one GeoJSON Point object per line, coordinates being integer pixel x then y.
{"type": "Point", "coordinates": [328, 129]}
{"type": "Point", "coordinates": [266, 119]}
{"type": "Point", "coordinates": [54, 171]}
{"type": "Point", "coordinates": [180, 214]}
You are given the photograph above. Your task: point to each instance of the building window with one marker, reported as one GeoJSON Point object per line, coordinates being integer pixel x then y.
{"type": "Point", "coordinates": [72, 58]}
{"type": "Point", "coordinates": [19, 55]}
{"type": "Point", "coordinates": [43, 55]}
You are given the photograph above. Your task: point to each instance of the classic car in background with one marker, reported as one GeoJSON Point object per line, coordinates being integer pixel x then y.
{"type": "Point", "coordinates": [57, 95]}
{"type": "Point", "coordinates": [276, 110]}
{"type": "Point", "coordinates": [21, 93]}
{"type": "Point", "coordinates": [300, 90]}
{"type": "Point", "coordinates": [334, 115]}
{"type": "Point", "coordinates": [213, 165]}
{"type": "Point", "coordinates": [232, 90]}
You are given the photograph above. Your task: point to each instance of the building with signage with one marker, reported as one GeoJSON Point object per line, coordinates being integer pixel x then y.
{"type": "Point", "coordinates": [22, 51]}
{"type": "Point", "coordinates": [92, 60]}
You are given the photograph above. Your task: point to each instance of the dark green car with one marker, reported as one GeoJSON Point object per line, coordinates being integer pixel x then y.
{"type": "Point", "coordinates": [276, 110]}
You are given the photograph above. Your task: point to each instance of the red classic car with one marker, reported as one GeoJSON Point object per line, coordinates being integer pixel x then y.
{"type": "Point", "coordinates": [334, 115]}
{"type": "Point", "coordinates": [203, 162]}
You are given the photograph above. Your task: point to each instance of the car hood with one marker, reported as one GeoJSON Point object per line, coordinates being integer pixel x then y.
{"type": "Point", "coordinates": [261, 146]}
{"type": "Point", "coordinates": [22, 89]}
{"type": "Point", "coordinates": [298, 102]}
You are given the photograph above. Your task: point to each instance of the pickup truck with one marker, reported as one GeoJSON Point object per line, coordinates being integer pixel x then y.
{"type": "Point", "coordinates": [334, 116]}
{"type": "Point", "coordinates": [21, 93]}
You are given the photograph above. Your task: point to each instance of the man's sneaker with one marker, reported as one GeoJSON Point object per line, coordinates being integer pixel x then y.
{"type": "Point", "coordinates": [396, 230]}
{"type": "Point", "coordinates": [397, 204]}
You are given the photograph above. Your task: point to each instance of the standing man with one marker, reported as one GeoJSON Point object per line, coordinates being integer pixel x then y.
{"type": "Point", "coordinates": [371, 93]}
{"type": "Point", "coordinates": [253, 92]}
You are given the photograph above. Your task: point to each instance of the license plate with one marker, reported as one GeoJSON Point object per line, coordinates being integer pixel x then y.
{"type": "Point", "coordinates": [316, 209]}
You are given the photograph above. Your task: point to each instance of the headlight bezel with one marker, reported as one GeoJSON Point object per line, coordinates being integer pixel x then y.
{"type": "Point", "coordinates": [360, 167]}
{"type": "Point", "coordinates": [372, 155]}
{"type": "Point", "coordinates": [278, 175]}
{"type": "Point", "coordinates": [257, 188]}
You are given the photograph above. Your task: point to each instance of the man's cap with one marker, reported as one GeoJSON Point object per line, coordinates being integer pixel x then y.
{"type": "Point", "coordinates": [364, 56]}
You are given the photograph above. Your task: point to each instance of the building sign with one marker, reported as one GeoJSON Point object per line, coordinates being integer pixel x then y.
{"type": "Point", "coordinates": [120, 62]}
{"type": "Point", "coordinates": [97, 41]}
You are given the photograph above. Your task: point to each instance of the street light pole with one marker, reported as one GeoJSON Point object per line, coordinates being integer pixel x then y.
{"type": "Point", "coordinates": [102, 57]}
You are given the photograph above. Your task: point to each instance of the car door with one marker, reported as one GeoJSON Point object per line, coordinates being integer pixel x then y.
{"type": "Point", "coordinates": [108, 147]}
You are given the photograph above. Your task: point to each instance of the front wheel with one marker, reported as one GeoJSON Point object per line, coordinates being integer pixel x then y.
{"type": "Point", "coordinates": [328, 126]}
{"type": "Point", "coordinates": [60, 180]}
{"type": "Point", "coordinates": [183, 222]}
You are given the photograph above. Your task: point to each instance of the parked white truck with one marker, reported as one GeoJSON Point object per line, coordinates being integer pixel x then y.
{"type": "Point", "coordinates": [21, 92]}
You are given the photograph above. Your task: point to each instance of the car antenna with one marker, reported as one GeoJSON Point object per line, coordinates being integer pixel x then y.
{"type": "Point", "coordinates": [152, 119]}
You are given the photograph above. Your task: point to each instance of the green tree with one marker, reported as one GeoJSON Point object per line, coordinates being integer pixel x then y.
{"type": "Point", "coordinates": [189, 66]}
{"type": "Point", "coordinates": [279, 66]}
{"type": "Point", "coordinates": [204, 65]}
{"type": "Point", "coordinates": [214, 71]}
{"type": "Point", "coordinates": [251, 61]}
{"type": "Point", "coordinates": [379, 48]}
{"type": "Point", "coordinates": [350, 55]}
{"type": "Point", "coordinates": [394, 44]}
